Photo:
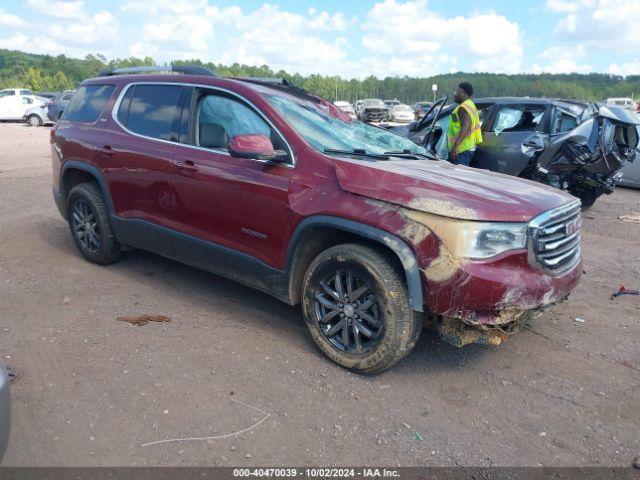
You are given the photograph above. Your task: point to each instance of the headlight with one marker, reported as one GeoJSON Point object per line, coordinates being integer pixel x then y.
{"type": "Point", "coordinates": [484, 240]}
{"type": "Point", "coordinates": [470, 239]}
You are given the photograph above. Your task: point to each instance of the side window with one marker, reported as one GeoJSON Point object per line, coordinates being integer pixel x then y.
{"type": "Point", "coordinates": [563, 122]}
{"type": "Point", "coordinates": [220, 118]}
{"type": "Point", "coordinates": [68, 96]}
{"type": "Point", "coordinates": [150, 110]}
{"type": "Point", "coordinates": [26, 101]}
{"type": "Point", "coordinates": [26, 92]}
{"type": "Point", "coordinates": [7, 93]}
{"type": "Point", "coordinates": [482, 113]}
{"type": "Point", "coordinates": [88, 103]}
{"type": "Point", "coordinates": [518, 118]}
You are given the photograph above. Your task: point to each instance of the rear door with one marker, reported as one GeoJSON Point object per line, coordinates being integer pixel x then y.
{"type": "Point", "coordinates": [240, 203]}
{"type": "Point", "coordinates": [509, 126]}
{"type": "Point", "coordinates": [136, 158]}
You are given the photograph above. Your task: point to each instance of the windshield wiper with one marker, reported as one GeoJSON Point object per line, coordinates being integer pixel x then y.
{"type": "Point", "coordinates": [410, 154]}
{"type": "Point", "coordinates": [358, 152]}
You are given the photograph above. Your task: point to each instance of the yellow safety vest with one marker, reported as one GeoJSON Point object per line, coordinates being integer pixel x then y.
{"type": "Point", "coordinates": [474, 137]}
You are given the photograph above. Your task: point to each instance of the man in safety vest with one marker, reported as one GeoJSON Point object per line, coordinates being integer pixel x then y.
{"type": "Point", "coordinates": [463, 133]}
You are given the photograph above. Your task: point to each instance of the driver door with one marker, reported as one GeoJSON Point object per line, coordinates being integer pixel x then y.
{"type": "Point", "coordinates": [239, 203]}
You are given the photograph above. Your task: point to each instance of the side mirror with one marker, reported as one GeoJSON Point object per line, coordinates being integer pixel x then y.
{"type": "Point", "coordinates": [256, 146]}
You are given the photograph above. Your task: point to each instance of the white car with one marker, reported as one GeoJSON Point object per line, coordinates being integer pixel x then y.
{"type": "Point", "coordinates": [14, 102]}
{"type": "Point", "coordinates": [347, 108]}
{"type": "Point", "coordinates": [626, 103]}
{"type": "Point", "coordinates": [401, 113]}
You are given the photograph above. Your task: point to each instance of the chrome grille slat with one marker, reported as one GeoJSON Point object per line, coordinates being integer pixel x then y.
{"type": "Point", "coordinates": [551, 230]}
{"type": "Point", "coordinates": [554, 239]}
{"type": "Point", "coordinates": [559, 222]}
{"type": "Point", "coordinates": [555, 261]}
{"type": "Point", "coordinates": [553, 245]}
{"type": "Point", "coordinates": [560, 251]}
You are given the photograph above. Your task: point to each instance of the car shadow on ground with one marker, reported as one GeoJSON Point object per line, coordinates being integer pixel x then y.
{"type": "Point", "coordinates": [206, 291]}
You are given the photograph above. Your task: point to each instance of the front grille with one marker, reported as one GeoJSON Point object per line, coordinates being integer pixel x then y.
{"type": "Point", "coordinates": [554, 239]}
{"type": "Point", "coordinates": [375, 113]}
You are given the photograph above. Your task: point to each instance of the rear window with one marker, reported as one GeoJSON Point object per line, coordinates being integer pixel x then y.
{"type": "Point", "coordinates": [88, 103]}
{"type": "Point", "coordinates": [150, 110]}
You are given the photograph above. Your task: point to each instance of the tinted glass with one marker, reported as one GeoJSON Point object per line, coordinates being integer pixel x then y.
{"type": "Point", "coordinates": [26, 92]}
{"type": "Point", "coordinates": [564, 123]}
{"type": "Point", "coordinates": [234, 117]}
{"type": "Point", "coordinates": [88, 103]}
{"type": "Point", "coordinates": [229, 117]}
{"type": "Point", "coordinates": [6, 93]}
{"type": "Point", "coordinates": [151, 110]}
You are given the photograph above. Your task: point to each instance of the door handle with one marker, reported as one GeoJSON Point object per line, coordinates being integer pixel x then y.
{"type": "Point", "coordinates": [106, 151]}
{"type": "Point", "coordinates": [187, 166]}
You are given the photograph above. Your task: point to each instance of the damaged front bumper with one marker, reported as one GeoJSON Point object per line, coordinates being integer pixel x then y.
{"type": "Point", "coordinates": [457, 333]}
{"type": "Point", "coordinates": [487, 302]}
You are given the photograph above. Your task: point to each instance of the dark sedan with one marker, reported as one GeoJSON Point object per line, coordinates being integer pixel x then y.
{"type": "Point", "coordinates": [57, 104]}
{"type": "Point", "coordinates": [576, 146]}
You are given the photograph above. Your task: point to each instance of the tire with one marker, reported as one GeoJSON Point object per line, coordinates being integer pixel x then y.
{"type": "Point", "coordinates": [89, 225]}
{"type": "Point", "coordinates": [396, 328]}
{"type": "Point", "coordinates": [587, 196]}
{"type": "Point", "coordinates": [34, 120]}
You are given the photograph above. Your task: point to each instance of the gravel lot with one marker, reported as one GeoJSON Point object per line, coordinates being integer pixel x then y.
{"type": "Point", "coordinates": [93, 390]}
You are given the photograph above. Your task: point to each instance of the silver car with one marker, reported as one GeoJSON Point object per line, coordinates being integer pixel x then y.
{"type": "Point", "coordinates": [36, 116]}
{"type": "Point", "coordinates": [631, 173]}
{"type": "Point", "coordinates": [5, 410]}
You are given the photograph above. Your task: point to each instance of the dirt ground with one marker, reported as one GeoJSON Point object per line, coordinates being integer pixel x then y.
{"type": "Point", "coordinates": [95, 391]}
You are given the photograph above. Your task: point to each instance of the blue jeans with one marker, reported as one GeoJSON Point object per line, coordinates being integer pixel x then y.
{"type": "Point", "coordinates": [464, 158]}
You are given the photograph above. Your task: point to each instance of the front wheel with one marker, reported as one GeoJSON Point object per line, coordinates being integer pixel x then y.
{"type": "Point", "coordinates": [356, 307]}
{"type": "Point", "coordinates": [35, 121]}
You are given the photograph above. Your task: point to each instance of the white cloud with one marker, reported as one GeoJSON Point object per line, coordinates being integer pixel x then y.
{"type": "Point", "coordinates": [98, 30]}
{"type": "Point", "coordinates": [59, 9]}
{"type": "Point", "coordinates": [165, 7]}
{"type": "Point", "coordinates": [10, 20]}
{"type": "Point", "coordinates": [489, 41]}
{"type": "Point", "coordinates": [74, 32]}
{"type": "Point", "coordinates": [304, 43]}
{"type": "Point", "coordinates": [600, 24]}
{"type": "Point", "coordinates": [37, 44]}
{"type": "Point", "coordinates": [563, 59]}
{"type": "Point", "coordinates": [628, 68]}
{"type": "Point", "coordinates": [568, 5]}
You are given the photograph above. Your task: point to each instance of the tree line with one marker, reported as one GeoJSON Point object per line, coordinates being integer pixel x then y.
{"type": "Point", "coordinates": [42, 73]}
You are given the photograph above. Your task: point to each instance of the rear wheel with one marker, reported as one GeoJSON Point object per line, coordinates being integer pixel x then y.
{"type": "Point", "coordinates": [89, 225]}
{"type": "Point", "coordinates": [356, 307]}
{"type": "Point", "coordinates": [34, 120]}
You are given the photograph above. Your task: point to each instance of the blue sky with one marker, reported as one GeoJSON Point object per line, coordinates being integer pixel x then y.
{"type": "Point", "coordinates": [347, 38]}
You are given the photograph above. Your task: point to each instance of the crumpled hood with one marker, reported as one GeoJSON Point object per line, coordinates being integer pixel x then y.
{"type": "Point", "coordinates": [440, 188]}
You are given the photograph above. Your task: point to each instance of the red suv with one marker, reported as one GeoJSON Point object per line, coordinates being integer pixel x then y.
{"type": "Point", "coordinates": [268, 185]}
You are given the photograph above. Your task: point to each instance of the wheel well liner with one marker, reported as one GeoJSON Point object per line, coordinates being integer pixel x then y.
{"type": "Point", "coordinates": [333, 230]}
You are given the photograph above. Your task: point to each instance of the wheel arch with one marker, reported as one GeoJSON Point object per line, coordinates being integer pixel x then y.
{"type": "Point", "coordinates": [317, 233]}
{"type": "Point", "coordinates": [75, 172]}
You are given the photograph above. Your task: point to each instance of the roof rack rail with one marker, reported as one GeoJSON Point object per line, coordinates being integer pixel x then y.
{"type": "Point", "coordinates": [280, 84]}
{"type": "Point", "coordinates": [184, 69]}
